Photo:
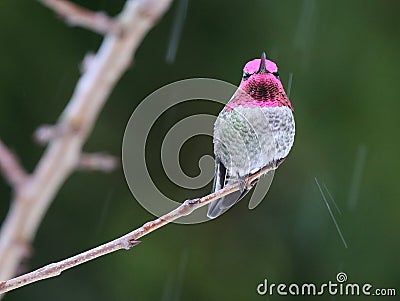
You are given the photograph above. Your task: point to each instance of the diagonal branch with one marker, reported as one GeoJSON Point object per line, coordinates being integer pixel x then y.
{"type": "Point", "coordinates": [11, 168]}
{"type": "Point", "coordinates": [62, 154]}
{"type": "Point", "coordinates": [126, 241]}
{"type": "Point", "coordinates": [75, 15]}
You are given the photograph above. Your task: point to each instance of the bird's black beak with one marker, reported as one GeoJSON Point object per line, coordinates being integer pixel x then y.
{"type": "Point", "coordinates": [263, 67]}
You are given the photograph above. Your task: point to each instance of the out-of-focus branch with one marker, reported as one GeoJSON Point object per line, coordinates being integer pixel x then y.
{"type": "Point", "coordinates": [95, 161]}
{"type": "Point", "coordinates": [98, 161]}
{"type": "Point", "coordinates": [45, 133]}
{"type": "Point", "coordinates": [76, 15]}
{"type": "Point", "coordinates": [10, 167]}
{"type": "Point", "coordinates": [62, 155]}
{"type": "Point", "coordinates": [126, 241]}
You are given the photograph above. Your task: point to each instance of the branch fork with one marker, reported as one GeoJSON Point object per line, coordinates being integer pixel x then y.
{"type": "Point", "coordinates": [75, 15]}
{"type": "Point", "coordinates": [64, 152]}
{"type": "Point", "coordinates": [10, 167]}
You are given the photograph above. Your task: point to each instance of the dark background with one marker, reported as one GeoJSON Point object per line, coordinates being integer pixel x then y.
{"type": "Point", "coordinates": [344, 56]}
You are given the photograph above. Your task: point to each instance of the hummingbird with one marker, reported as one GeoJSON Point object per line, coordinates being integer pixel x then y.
{"type": "Point", "coordinates": [254, 130]}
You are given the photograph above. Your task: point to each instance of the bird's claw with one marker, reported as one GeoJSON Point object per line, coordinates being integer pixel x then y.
{"type": "Point", "coordinates": [251, 184]}
{"type": "Point", "coordinates": [245, 184]}
{"type": "Point", "coordinates": [242, 185]}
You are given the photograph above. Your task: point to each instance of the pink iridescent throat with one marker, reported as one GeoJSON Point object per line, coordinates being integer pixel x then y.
{"type": "Point", "coordinates": [260, 90]}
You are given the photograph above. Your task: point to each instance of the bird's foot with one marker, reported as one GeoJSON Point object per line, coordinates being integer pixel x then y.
{"type": "Point", "coordinates": [279, 162]}
{"type": "Point", "coordinates": [242, 184]}
{"type": "Point", "coordinates": [245, 184]}
{"type": "Point", "coordinates": [251, 184]}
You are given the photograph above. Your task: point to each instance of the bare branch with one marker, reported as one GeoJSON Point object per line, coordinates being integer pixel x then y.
{"type": "Point", "coordinates": [10, 167]}
{"type": "Point", "coordinates": [45, 133]}
{"type": "Point", "coordinates": [95, 161]}
{"type": "Point", "coordinates": [87, 62]}
{"type": "Point", "coordinates": [75, 15]}
{"type": "Point", "coordinates": [126, 241]}
{"type": "Point", "coordinates": [98, 161]}
{"type": "Point", "coordinates": [62, 154]}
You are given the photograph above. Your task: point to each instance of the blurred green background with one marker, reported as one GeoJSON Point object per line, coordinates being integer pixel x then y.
{"type": "Point", "coordinates": [344, 56]}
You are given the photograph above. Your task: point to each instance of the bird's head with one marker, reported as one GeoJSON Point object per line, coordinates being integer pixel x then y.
{"type": "Point", "coordinates": [261, 81]}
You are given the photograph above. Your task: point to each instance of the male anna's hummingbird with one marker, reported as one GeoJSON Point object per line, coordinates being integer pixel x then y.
{"type": "Point", "coordinates": [254, 130]}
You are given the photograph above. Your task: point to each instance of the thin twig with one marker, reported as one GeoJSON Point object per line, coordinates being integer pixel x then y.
{"type": "Point", "coordinates": [30, 203]}
{"type": "Point", "coordinates": [126, 241]}
{"type": "Point", "coordinates": [98, 161]}
{"type": "Point", "coordinates": [94, 161]}
{"type": "Point", "coordinates": [11, 168]}
{"type": "Point", "coordinates": [75, 15]}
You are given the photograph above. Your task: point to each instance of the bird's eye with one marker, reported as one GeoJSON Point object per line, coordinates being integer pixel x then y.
{"type": "Point", "coordinates": [246, 75]}
{"type": "Point", "coordinates": [276, 74]}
